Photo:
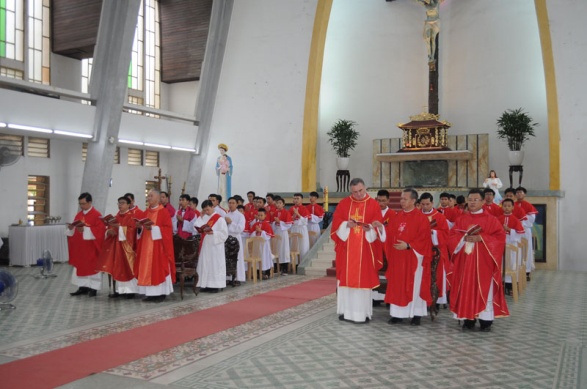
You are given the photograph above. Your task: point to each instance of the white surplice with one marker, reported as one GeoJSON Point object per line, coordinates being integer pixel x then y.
{"type": "Point", "coordinates": [212, 262]}
{"type": "Point", "coordinates": [282, 229]}
{"type": "Point", "coordinates": [301, 226]}
{"type": "Point", "coordinates": [236, 228]}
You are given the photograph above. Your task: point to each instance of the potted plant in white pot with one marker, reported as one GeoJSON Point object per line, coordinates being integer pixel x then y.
{"type": "Point", "coordinates": [515, 127]}
{"type": "Point", "coordinates": [343, 138]}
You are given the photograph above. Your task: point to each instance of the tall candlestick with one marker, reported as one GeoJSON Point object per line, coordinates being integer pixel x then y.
{"type": "Point", "coordinates": [325, 199]}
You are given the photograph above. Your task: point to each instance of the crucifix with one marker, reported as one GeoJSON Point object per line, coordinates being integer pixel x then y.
{"type": "Point", "coordinates": [431, 32]}
{"type": "Point", "coordinates": [159, 178]}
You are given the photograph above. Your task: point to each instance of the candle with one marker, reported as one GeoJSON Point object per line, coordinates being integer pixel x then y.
{"type": "Point", "coordinates": [325, 199]}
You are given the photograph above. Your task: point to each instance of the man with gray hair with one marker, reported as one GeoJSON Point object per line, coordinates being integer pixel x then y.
{"type": "Point", "coordinates": [356, 225]}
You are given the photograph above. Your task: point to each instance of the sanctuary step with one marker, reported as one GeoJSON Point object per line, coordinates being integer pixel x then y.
{"type": "Point", "coordinates": [324, 262]}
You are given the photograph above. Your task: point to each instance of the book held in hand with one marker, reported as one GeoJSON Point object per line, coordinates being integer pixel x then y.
{"type": "Point", "coordinates": [109, 220]}
{"type": "Point", "coordinates": [203, 229]}
{"type": "Point", "coordinates": [360, 224]}
{"type": "Point", "coordinates": [144, 222]}
{"type": "Point", "coordinates": [77, 223]}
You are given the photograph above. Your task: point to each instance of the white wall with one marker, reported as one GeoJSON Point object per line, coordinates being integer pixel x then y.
{"type": "Point", "coordinates": [375, 73]}
{"type": "Point", "coordinates": [491, 60]}
{"type": "Point", "coordinates": [260, 102]}
{"type": "Point", "coordinates": [570, 52]}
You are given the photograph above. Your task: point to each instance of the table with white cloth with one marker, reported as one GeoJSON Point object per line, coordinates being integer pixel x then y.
{"type": "Point", "coordinates": [27, 243]}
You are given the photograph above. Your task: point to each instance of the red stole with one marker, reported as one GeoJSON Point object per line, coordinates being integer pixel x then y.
{"type": "Point", "coordinates": [210, 223]}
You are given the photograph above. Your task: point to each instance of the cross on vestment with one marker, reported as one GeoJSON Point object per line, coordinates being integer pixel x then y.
{"type": "Point", "coordinates": [358, 218]}
{"type": "Point", "coordinates": [159, 178]}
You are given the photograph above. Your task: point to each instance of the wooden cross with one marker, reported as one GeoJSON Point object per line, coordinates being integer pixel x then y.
{"type": "Point", "coordinates": [159, 178]}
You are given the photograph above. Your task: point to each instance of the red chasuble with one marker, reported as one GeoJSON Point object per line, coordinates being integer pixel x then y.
{"type": "Point", "coordinates": [356, 264]}
{"type": "Point", "coordinates": [442, 231]}
{"type": "Point", "coordinates": [413, 228]}
{"type": "Point", "coordinates": [83, 254]}
{"type": "Point", "coordinates": [117, 257]}
{"type": "Point", "coordinates": [474, 273]}
{"type": "Point", "coordinates": [155, 259]}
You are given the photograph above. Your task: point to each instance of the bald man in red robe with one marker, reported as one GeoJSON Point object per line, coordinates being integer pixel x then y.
{"type": "Point", "coordinates": [155, 262]}
{"type": "Point", "coordinates": [356, 225]}
{"type": "Point", "coordinates": [477, 242]}
{"type": "Point", "coordinates": [409, 253]}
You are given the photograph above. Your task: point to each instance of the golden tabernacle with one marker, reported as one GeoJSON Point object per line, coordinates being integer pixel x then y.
{"type": "Point", "coordinates": [424, 132]}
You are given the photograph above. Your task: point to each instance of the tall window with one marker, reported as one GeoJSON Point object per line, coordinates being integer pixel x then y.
{"type": "Point", "coordinates": [144, 71]}
{"type": "Point", "coordinates": [38, 199]}
{"type": "Point", "coordinates": [144, 75]}
{"type": "Point", "coordinates": [20, 19]}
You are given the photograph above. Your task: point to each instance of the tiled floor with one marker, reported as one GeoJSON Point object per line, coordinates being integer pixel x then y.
{"type": "Point", "coordinates": [542, 345]}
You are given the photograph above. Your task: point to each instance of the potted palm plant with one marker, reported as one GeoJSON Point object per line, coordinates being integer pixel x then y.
{"type": "Point", "coordinates": [515, 127]}
{"type": "Point", "coordinates": [343, 138]}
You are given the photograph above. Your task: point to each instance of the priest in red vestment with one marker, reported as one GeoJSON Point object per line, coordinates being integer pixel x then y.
{"type": "Point", "coordinates": [118, 256]}
{"type": "Point", "coordinates": [477, 242]}
{"type": "Point", "coordinates": [155, 263]}
{"type": "Point", "coordinates": [439, 227]}
{"type": "Point", "coordinates": [356, 225]}
{"type": "Point", "coordinates": [85, 237]}
{"type": "Point", "coordinates": [409, 252]}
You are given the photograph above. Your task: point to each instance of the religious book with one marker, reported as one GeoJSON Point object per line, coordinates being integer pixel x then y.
{"type": "Point", "coordinates": [473, 230]}
{"type": "Point", "coordinates": [358, 223]}
{"type": "Point", "coordinates": [77, 223]}
{"type": "Point", "coordinates": [144, 222]}
{"type": "Point", "coordinates": [203, 229]}
{"type": "Point", "coordinates": [109, 220]}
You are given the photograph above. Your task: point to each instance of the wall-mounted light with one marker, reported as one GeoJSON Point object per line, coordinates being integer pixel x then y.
{"type": "Point", "coordinates": [183, 149]}
{"type": "Point", "coordinates": [2, 125]}
{"type": "Point", "coordinates": [76, 134]}
{"type": "Point", "coordinates": [29, 128]}
{"type": "Point", "coordinates": [157, 145]}
{"type": "Point", "coordinates": [130, 142]}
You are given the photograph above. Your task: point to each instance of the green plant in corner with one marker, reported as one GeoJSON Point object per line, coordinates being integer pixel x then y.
{"type": "Point", "coordinates": [515, 127]}
{"type": "Point", "coordinates": [343, 137]}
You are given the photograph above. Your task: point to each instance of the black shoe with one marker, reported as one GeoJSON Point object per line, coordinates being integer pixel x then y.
{"type": "Point", "coordinates": [528, 277]}
{"type": "Point", "coordinates": [469, 325]}
{"type": "Point", "coordinates": [367, 320]}
{"type": "Point", "coordinates": [445, 306]}
{"type": "Point", "coordinates": [415, 321]}
{"type": "Point", "coordinates": [158, 299]}
{"type": "Point", "coordinates": [92, 293]}
{"type": "Point", "coordinates": [149, 299]}
{"type": "Point", "coordinates": [485, 325]}
{"type": "Point", "coordinates": [81, 290]}
{"type": "Point", "coordinates": [341, 317]}
{"type": "Point", "coordinates": [376, 303]}
{"type": "Point", "coordinates": [213, 290]}
{"type": "Point", "coordinates": [114, 295]}
{"type": "Point", "coordinates": [437, 307]}
{"type": "Point", "coordinates": [395, 320]}
{"type": "Point", "coordinates": [129, 296]}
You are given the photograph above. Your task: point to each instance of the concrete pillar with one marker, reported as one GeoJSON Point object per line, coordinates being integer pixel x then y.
{"type": "Point", "coordinates": [209, 80]}
{"type": "Point", "coordinates": [108, 89]}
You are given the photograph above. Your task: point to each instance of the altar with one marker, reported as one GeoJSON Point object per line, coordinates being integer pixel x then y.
{"type": "Point", "coordinates": [27, 243]}
{"type": "Point", "coordinates": [465, 165]}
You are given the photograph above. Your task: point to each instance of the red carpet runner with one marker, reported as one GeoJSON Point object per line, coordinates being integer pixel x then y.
{"type": "Point", "coordinates": [72, 363]}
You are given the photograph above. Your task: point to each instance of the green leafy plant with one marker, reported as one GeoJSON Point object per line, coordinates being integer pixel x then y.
{"type": "Point", "coordinates": [515, 127]}
{"type": "Point", "coordinates": [343, 137]}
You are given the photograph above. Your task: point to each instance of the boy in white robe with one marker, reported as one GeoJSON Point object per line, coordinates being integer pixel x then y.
{"type": "Point", "coordinates": [212, 262]}
{"type": "Point", "coordinates": [236, 225]}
